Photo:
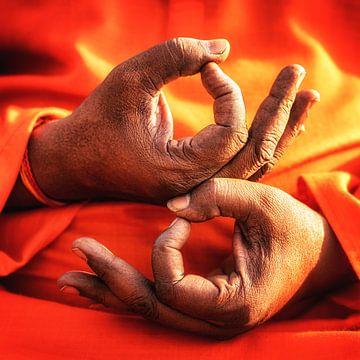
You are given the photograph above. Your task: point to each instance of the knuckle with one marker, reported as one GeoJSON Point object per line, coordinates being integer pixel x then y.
{"type": "Point", "coordinates": [279, 104]}
{"type": "Point", "coordinates": [177, 44]}
{"type": "Point", "coordinates": [176, 51]}
{"type": "Point", "coordinates": [204, 200]}
{"type": "Point", "coordinates": [265, 169]}
{"type": "Point", "coordinates": [234, 139]}
{"type": "Point", "coordinates": [294, 131]}
{"type": "Point", "coordinates": [143, 305]}
{"type": "Point", "coordinates": [264, 150]}
{"type": "Point", "coordinates": [227, 294]}
{"type": "Point", "coordinates": [285, 105]}
{"type": "Point", "coordinates": [240, 137]}
{"type": "Point", "coordinates": [207, 189]}
{"type": "Point", "coordinates": [165, 292]}
{"type": "Point", "coordinates": [228, 87]}
{"type": "Point", "coordinates": [124, 75]}
{"type": "Point", "coordinates": [268, 167]}
{"type": "Point", "coordinates": [211, 188]}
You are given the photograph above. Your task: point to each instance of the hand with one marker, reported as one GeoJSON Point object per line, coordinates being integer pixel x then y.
{"type": "Point", "coordinates": [283, 252]}
{"type": "Point", "coordinates": [119, 142]}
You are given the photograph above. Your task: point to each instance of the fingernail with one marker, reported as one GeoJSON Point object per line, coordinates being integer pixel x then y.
{"type": "Point", "coordinates": [302, 128]}
{"type": "Point", "coordinates": [79, 253]}
{"type": "Point", "coordinates": [179, 203]}
{"type": "Point", "coordinates": [173, 222]}
{"type": "Point", "coordinates": [301, 124]}
{"type": "Point", "coordinates": [316, 100]}
{"type": "Point", "coordinates": [70, 290]}
{"type": "Point", "coordinates": [301, 74]}
{"type": "Point", "coordinates": [217, 47]}
{"type": "Point", "coordinates": [97, 306]}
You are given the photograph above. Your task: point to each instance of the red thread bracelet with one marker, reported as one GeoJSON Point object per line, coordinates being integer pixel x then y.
{"type": "Point", "coordinates": [27, 176]}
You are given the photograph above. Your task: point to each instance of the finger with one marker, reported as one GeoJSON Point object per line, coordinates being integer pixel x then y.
{"type": "Point", "coordinates": [90, 286]}
{"type": "Point", "coordinates": [132, 288]}
{"type": "Point", "coordinates": [204, 298]}
{"type": "Point", "coordinates": [168, 270]}
{"type": "Point", "coordinates": [169, 60]}
{"type": "Point", "coordinates": [219, 197]}
{"type": "Point", "coordinates": [268, 125]}
{"type": "Point", "coordinates": [229, 108]}
{"type": "Point", "coordinates": [167, 261]}
{"type": "Point", "coordinates": [216, 144]}
{"type": "Point", "coordinates": [299, 113]}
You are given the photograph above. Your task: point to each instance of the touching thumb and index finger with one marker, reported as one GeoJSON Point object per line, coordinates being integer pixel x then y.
{"type": "Point", "coordinates": [171, 59]}
{"type": "Point", "coordinates": [148, 72]}
{"type": "Point", "coordinates": [220, 197]}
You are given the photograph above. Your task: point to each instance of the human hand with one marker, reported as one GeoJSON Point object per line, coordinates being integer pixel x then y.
{"type": "Point", "coordinates": [283, 252]}
{"type": "Point", "coordinates": [118, 143]}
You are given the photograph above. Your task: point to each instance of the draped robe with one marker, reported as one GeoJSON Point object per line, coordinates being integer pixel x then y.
{"type": "Point", "coordinates": [52, 54]}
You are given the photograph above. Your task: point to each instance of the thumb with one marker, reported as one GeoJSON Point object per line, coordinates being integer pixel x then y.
{"type": "Point", "coordinates": [174, 58]}
{"type": "Point", "coordinates": [219, 197]}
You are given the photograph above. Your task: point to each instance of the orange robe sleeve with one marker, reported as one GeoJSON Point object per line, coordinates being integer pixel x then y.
{"type": "Point", "coordinates": [52, 54]}
{"type": "Point", "coordinates": [337, 195]}
{"type": "Point", "coordinates": [16, 125]}
{"type": "Point", "coordinates": [37, 228]}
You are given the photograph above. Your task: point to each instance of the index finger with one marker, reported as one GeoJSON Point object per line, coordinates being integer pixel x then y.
{"type": "Point", "coordinates": [213, 298]}
{"type": "Point", "coordinates": [169, 60]}
{"type": "Point", "coordinates": [137, 292]}
{"type": "Point", "coordinates": [268, 125]}
{"type": "Point", "coordinates": [217, 144]}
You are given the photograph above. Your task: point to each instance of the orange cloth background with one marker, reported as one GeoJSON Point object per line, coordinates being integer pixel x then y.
{"type": "Point", "coordinates": [52, 54]}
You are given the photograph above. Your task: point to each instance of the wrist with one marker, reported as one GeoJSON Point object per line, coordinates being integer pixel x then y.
{"type": "Point", "coordinates": [51, 162]}
{"type": "Point", "coordinates": [36, 185]}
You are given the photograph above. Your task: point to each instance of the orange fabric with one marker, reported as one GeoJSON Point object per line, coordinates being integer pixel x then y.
{"type": "Point", "coordinates": [338, 196]}
{"type": "Point", "coordinates": [15, 128]}
{"type": "Point", "coordinates": [54, 53]}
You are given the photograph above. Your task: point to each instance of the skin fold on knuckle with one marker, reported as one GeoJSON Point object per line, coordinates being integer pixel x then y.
{"type": "Point", "coordinates": [144, 305]}
{"type": "Point", "coordinates": [239, 137]}
{"type": "Point", "coordinates": [230, 140]}
{"type": "Point", "coordinates": [276, 107]}
{"type": "Point", "coordinates": [201, 205]}
{"type": "Point", "coordinates": [263, 150]}
{"type": "Point", "coordinates": [204, 200]}
{"type": "Point", "coordinates": [165, 291]}
{"type": "Point", "coordinates": [176, 54]}
{"type": "Point", "coordinates": [227, 89]}
{"type": "Point", "coordinates": [265, 169]}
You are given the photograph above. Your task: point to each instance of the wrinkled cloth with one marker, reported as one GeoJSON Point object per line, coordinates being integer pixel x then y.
{"type": "Point", "coordinates": [52, 54]}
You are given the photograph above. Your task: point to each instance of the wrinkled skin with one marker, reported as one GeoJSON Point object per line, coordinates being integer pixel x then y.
{"type": "Point", "coordinates": [283, 254]}
{"type": "Point", "coordinates": [119, 142]}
